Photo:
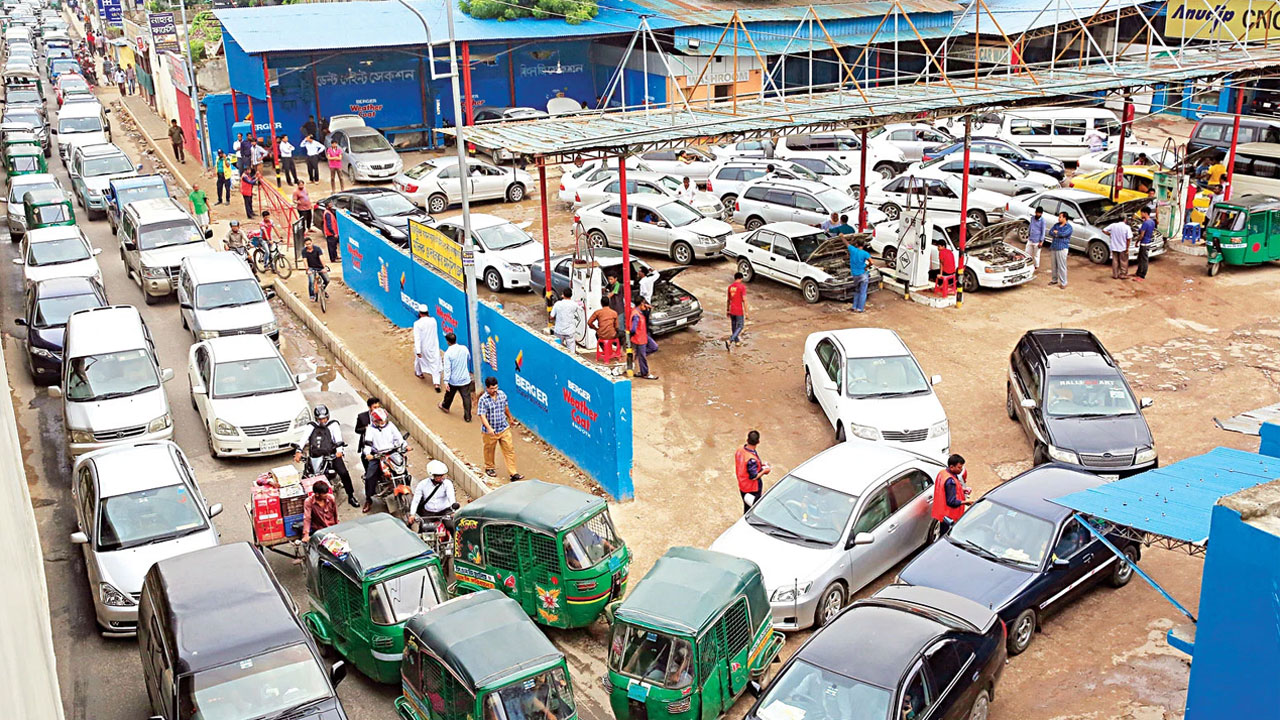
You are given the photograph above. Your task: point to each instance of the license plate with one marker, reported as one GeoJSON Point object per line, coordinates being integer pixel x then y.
{"type": "Point", "coordinates": [681, 321]}
{"type": "Point", "coordinates": [270, 445]}
{"type": "Point", "coordinates": [1109, 477]}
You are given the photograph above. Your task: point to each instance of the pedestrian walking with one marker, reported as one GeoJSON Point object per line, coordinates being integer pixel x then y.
{"type": "Point", "coordinates": [736, 309]}
{"type": "Point", "coordinates": [1059, 242]}
{"type": "Point", "coordinates": [564, 315]}
{"type": "Point", "coordinates": [1035, 236]}
{"type": "Point", "coordinates": [495, 429]}
{"type": "Point", "coordinates": [131, 76]}
{"type": "Point", "coordinates": [641, 342]}
{"type": "Point", "coordinates": [859, 261]}
{"type": "Point", "coordinates": [330, 231]}
{"type": "Point", "coordinates": [334, 155]}
{"type": "Point", "coordinates": [313, 151]}
{"type": "Point", "coordinates": [426, 347]}
{"type": "Point", "coordinates": [1118, 237]}
{"type": "Point", "coordinates": [118, 78]}
{"type": "Point", "coordinates": [457, 375]}
{"type": "Point", "coordinates": [1146, 235]}
{"type": "Point", "coordinates": [286, 160]}
{"type": "Point", "coordinates": [222, 171]}
{"type": "Point", "coordinates": [750, 470]}
{"type": "Point", "coordinates": [302, 203]}
{"type": "Point", "coordinates": [199, 205]}
{"type": "Point", "coordinates": [248, 181]}
{"type": "Point", "coordinates": [176, 138]}
{"type": "Point", "coordinates": [950, 494]}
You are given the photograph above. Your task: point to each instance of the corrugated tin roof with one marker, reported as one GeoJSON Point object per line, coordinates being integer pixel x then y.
{"type": "Point", "coordinates": [1176, 501]}
{"type": "Point", "coordinates": [777, 46]}
{"type": "Point", "coordinates": [636, 130]}
{"type": "Point", "coordinates": [792, 36]}
{"type": "Point", "coordinates": [719, 12]}
{"type": "Point", "coordinates": [1018, 16]}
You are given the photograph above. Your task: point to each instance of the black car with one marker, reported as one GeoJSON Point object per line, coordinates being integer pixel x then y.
{"type": "Point", "coordinates": [1023, 158]}
{"type": "Point", "coordinates": [1075, 405]}
{"type": "Point", "coordinates": [905, 652]}
{"type": "Point", "coordinates": [1024, 556]}
{"type": "Point", "coordinates": [382, 210]}
{"type": "Point", "coordinates": [673, 306]}
{"type": "Point", "coordinates": [47, 306]}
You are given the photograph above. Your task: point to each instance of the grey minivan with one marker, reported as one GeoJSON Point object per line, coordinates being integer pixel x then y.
{"type": "Point", "coordinates": [803, 201]}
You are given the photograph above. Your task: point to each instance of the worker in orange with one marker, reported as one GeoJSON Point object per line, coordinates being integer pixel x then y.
{"type": "Point", "coordinates": [951, 493]}
{"type": "Point", "coordinates": [750, 470]}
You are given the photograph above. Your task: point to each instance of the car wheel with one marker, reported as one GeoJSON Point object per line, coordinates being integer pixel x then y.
{"type": "Point", "coordinates": [729, 200]}
{"type": "Point", "coordinates": [681, 253]}
{"type": "Point", "coordinates": [1010, 408]}
{"type": "Point", "coordinates": [1213, 268]}
{"type": "Point", "coordinates": [970, 280]}
{"type": "Point", "coordinates": [890, 255]}
{"type": "Point", "coordinates": [1122, 573]}
{"type": "Point", "coordinates": [981, 706]}
{"type": "Point", "coordinates": [1099, 253]}
{"type": "Point", "coordinates": [351, 174]}
{"type": "Point", "coordinates": [437, 204]}
{"type": "Point", "coordinates": [891, 211]}
{"type": "Point", "coordinates": [493, 280]}
{"type": "Point", "coordinates": [887, 170]}
{"type": "Point", "coordinates": [515, 193]}
{"type": "Point", "coordinates": [185, 326]}
{"type": "Point", "coordinates": [748, 272]}
{"type": "Point", "coordinates": [597, 239]}
{"type": "Point", "coordinates": [1021, 631]}
{"type": "Point", "coordinates": [855, 191]}
{"type": "Point", "coordinates": [149, 299]}
{"type": "Point", "coordinates": [830, 605]}
{"type": "Point", "coordinates": [809, 289]}
{"type": "Point", "coordinates": [977, 216]}
{"type": "Point", "coordinates": [840, 436]}
{"type": "Point", "coordinates": [1024, 230]}
{"type": "Point", "coordinates": [808, 387]}
{"type": "Point", "coordinates": [753, 223]}
{"type": "Point", "coordinates": [209, 439]}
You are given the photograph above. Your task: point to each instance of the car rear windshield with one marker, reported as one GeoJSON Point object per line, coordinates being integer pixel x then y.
{"type": "Point", "coordinates": [56, 252]}
{"type": "Point", "coordinates": [235, 293]}
{"type": "Point", "coordinates": [1003, 534]}
{"type": "Point", "coordinates": [145, 192]}
{"type": "Point", "coordinates": [878, 377]}
{"type": "Point", "coordinates": [808, 691]}
{"type": "Point", "coordinates": [264, 686]}
{"type": "Point", "coordinates": [368, 143]}
{"type": "Point", "coordinates": [166, 234]}
{"type": "Point", "coordinates": [651, 656]}
{"type": "Point", "coordinates": [54, 311]}
{"type": "Point", "coordinates": [79, 124]}
{"type": "Point", "coordinates": [148, 516]}
{"type": "Point", "coordinates": [591, 542]}
{"type": "Point", "coordinates": [501, 237]}
{"type": "Point", "coordinates": [799, 511]}
{"type": "Point", "coordinates": [111, 375]}
{"type": "Point", "coordinates": [244, 378]}
{"type": "Point", "coordinates": [112, 165]}
{"type": "Point", "coordinates": [1088, 396]}
{"type": "Point", "coordinates": [417, 171]}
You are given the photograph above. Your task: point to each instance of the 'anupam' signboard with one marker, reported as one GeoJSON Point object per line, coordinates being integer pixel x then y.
{"type": "Point", "coordinates": [1243, 20]}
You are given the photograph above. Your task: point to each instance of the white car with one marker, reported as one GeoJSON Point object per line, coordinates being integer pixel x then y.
{"type": "Point", "coordinates": [990, 260]}
{"type": "Point", "coordinates": [503, 250]}
{"type": "Point", "coordinates": [58, 251]}
{"type": "Point", "coordinates": [573, 177]}
{"type": "Point", "coordinates": [746, 148]}
{"type": "Point", "coordinates": [689, 162]}
{"type": "Point", "coordinates": [134, 506]}
{"type": "Point", "coordinates": [797, 255]}
{"type": "Point", "coordinates": [912, 138]}
{"type": "Point", "coordinates": [907, 192]}
{"type": "Point", "coordinates": [870, 386]}
{"type": "Point", "coordinates": [436, 184]}
{"type": "Point", "coordinates": [1106, 159]}
{"type": "Point", "coordinates": [248, 401]}
{"type": "Point", "coordinates": [988, 172]}
{"type": "Point", "coordinates": [845, 146]}
{"type": "Point", "coordinates": [652, 184]}
{"type": "Point", "coordinates": [657, 224]}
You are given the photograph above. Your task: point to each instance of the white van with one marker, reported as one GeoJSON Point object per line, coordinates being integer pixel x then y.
{"type": "Point", "coordinates": [846, 147]}
{"type": "Point", "coordinates": [112, 386]}
{"type": "Point", "coordinates": [218, 295]}
{"type": "Point", "coordinates": [82, 123]}
{"type": "Point", "coordinates": [1058, 132]}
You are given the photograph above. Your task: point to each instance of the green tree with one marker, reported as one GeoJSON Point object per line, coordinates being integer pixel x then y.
{"type": "Point", "coordinates": [573, 12]}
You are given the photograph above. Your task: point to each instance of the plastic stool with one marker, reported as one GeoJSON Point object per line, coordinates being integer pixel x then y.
{"type": "Point", "coordinates": [946, 284]}
{"type": "Point", "coordinates": [608, 350]}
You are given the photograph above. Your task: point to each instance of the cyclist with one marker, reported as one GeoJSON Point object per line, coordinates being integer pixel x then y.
{"type": "Point", "coordinates": [315, 266]}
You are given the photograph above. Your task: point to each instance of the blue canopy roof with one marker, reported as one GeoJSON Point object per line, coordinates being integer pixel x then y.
{"type": "Point", "coordinates": [1177, 501]}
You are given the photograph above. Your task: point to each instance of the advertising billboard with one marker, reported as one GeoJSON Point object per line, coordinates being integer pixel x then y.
{"type": "Point", "coordinates": [436, 250]}
{"type": "Point", "coordinates": [1244, 20]}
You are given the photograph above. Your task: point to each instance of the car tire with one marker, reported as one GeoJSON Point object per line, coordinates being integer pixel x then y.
{"type": "Point", "coordinates": [891, 211]}
{"type": "Point", "coordinates": [887, 170]}
{"type": "Point", "coordinates": [810, 291]}
{"type": "Point", "coordinates": [597, 239]}
{"type": "Point", "coordinates": [890, 255]}
{"type": "Point", "coordinates": [829, 605]}
{"type": "Point", "coordinates": [1024, 230]}
{"type": "Point", "coordinates": [753, 223]}
{"type": "Point", "coordinates": [185, 326]}
{"type": "Point", "coordinates": [1213, 268]}
{"type": "Point", "coordinates": [437, 204]}
{"type": "Point", "coordinates": [209, 439]}
{"type": "Point", "coordinates": [149, 299]}
{"type": "Point", "coordinates": [977, 216]}
{"type": "Point", "coordinates": [729, 200]}
{"type": "Point", "coordinates": [681, 253]}
{"type": "Point", "coordinates": [981, 708]}
{"type": "Point", "coordinates": [1021, 631]}
{"type": "Point", "coordinates": [515, 193]}
{"type": "Point", "coordinates": [1099, 253]}
{"type": "Point", "coordinates": [840, 435]}
{"type": "Point", "coordinates": [1122, 573]}
{"type": "Point", "coordinates": [351, 174]}
{"type": "Point", "coordinates": [1010, 408]}
{"type": "Point", "coordinates": [808, 387]}
{"type": "Point", "coordinates": [493, 280]}
{"type": "Point", "coordinates": [970, 280]}
{"type": "Point", "coordinates": [748, 272]}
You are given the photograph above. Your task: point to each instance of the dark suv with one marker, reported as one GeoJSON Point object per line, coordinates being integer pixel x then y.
{"type": "Point", "coordinates": [381, 210]}
{"type": "Point", "coordinates": [1075, 405]}
{"type": "Point", "coordinates": [1215, 131]}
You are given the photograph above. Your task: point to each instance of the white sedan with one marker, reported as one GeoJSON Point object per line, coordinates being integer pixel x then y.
{"type": "Point", "coordinates": [989, 172]}
{"type": "Point", "coordinates": [689, 162]}
{"type": "Point", "coordinates": [990, 260]}
{"type": "Point", "coordinates": [54, 252]}
{"type": "Point", "coordinates": [653, 184]}
{"type": "Point", "coordinates": [573, 177]}
{"type": "Point", "coordinates": [436, 184]}
{"type": "Point", "coordinates": [907, 192]}
{"type": "Point", "coordinates": [503, 250]}
{"type": "Point", "coordinates": [1106, 159]}
{"type": "Point", "coordinates": [798, 255]}
{"type": "Point", "coordinates": [912, 138]}
{"type": "Point", "coordinates": [870, 386]}
{"type": "Point", "coordinates": [248, 401]}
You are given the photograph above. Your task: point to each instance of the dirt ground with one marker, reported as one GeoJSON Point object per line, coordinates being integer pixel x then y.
{"type": "Point", "coordinates": [1200, 347]}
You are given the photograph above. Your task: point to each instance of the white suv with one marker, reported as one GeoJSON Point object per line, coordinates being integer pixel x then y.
{"type": "Point", "coordinates": [802, 201]}
{"type": "Point", "coordinates": [846, 147]}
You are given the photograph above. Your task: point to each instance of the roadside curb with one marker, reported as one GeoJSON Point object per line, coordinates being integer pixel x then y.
{"type": "Point", "coordinates": [459, 471]}
{"type": "Point", "coordinates": [173, 168]}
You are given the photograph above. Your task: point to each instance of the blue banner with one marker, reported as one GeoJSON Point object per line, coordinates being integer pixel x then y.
{"type": "Point", "coordinates": [114, 15]}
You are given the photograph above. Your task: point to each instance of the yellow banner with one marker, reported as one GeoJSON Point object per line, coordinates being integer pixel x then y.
{"type": "Point", "coordinates": [1227, 20]}
{"type": "Point", "coordinates": [435, 250]}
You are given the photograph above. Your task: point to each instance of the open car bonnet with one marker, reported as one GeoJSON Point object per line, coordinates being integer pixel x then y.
{"type": "Point", "coordinates": [1121, 211]}
{"type": "Point", "coordinates": [835, 245]}
{"type": "Point", "coordinates": [1006, 231]}
{"type": "Point", "coordinates": [669, 274]}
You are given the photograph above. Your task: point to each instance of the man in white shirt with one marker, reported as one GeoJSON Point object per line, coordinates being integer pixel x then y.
{"type": "Point", "coordinates": [286, 160]}
{"type": "Point", "coordinates": [433, 497]}
{"type": "Point", "coordinates": [323, 438]}
{"type": "Point", "coordinates": [1119, 235]}
{"type": "Point", "coordinates": [314, 150]}
{"type": "Point", "coordinates": [688, 191]}
{"type": "Point", "coordinates": [564, 314]}
{"type": "Point", "coordinates": [648, 278]}
{"type": "Point", "coordinates": [426, 347]}
{"type": "Point", "coordinates": [381, 436]}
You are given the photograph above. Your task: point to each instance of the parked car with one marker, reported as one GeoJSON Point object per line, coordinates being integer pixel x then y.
{"type": "Point", "coordinates": [26, 98]}
{"type": "Point", "coordinates": [219, 296]}
{"type": "Point", "coordinates": [135, 505]}
{"type": "Point", "coordinates": [1014, 153]}
{"type": "Point", "coordinates": [901, 653]}
{"type": "Point", "coordinates": [912, 138]}
{"type": "Point", "coordinates": [908, 192]}
{"type": "Point", "coordinates": [1138, 184]}
{"type": "Point", "coordinates": [870, 386]}
{"type": "Point", "coordinates": [845, 146]}
{"type": "Point", "coordinates": [92, 168]}
{"type": "Point", "coordinates": [490, 114]}
{"type": "Point", "coordinates": [651, 184]}
{"type": "Point", "coordinates": [657, 224]}
{"type": "Point", "coordinates": [435, 184]}
{"type": "Point", "coordinates": [729, 177]}
{"type": "Point", "coordinates": [366, 155]}
{"type": "Point", "coordinates": [1106, 159]}
{"type": "Point", "coordinates": [800, 256]}
{"type": "Point", "coordinates": [47, 304]}
{"type": "Point", "coordinates": [122, 191]}
{"type": "Point", "coordinates": [1023, 555]}
{"type": "Point", "coordinates": [803, 201]}
{"type": "Point", "coordinates": [68, 84]}
{"type": "Point", "coordinates": [991, 259]}
{"type": "Point", "coordinates": [989, 172]}
{"type": "Point", "coordinates": [833, 525]}
{"type": "Point", "coordinates": [19, 186]}
{"type": "Point", "coordinates": [762, 148]}
{"type": "Point", "coordinates": [59, 251]}
{"type": "Point", "coordinates": [247, 399]}
{"type": "Point", "coordinates": [155, 236]}
{"type": "Point", "coordinates": [1059, 132]}
{"type": "Point", "coordinates": [674, 307]}
{"type": "Point", "coordinates": [831, 171]}
{"type": "Point", "coordinates": [503, 250]}
{"type": "Point", "coordinates": [1075, 406]}
{"type": "Point", "coordinates": [384, 211]}
{"type": "Point", "coordinates": [1089, 215]}
{"type": "Point", "coordinates": [574, 176]}
{"type": "Point", "coordinates": [691, 162]}
{"type": "Point", "coordinates": [1216, 131]}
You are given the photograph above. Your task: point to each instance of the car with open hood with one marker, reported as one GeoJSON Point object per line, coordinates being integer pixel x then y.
{"type": "Point", "coordinates": [248, 401]}
{"type": "Point", "coordinates": [800, 256]}
{"type": "Point", "coordinates": [657, 224]}
{"type": "Point", "coordinates": [1089, 214]}
{"type": "Point", "coordinates": [991, 260]}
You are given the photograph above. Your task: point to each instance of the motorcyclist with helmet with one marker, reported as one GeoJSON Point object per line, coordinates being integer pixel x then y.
{"type": "Point", "coordinates": [381, 436]}
{"type": "Point", "coordinates": [433, 499]}
{"type": "Point", "coordinates": [322, 437]}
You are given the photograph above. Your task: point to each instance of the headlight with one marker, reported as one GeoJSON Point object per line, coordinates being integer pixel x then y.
{"type": "Point", "coordinates": [160, 423]}
{"type": "Point", "coordinates": [81, 436]}
{"type": "Point", "coordinates": [207, 334]}
{"type": "Point", "coordinates": [704, 240]}
{"type": "Point", "coordinates": [95, 193]}
{"type": "Point", "coordinates": [154, 273]}
{"type": "Point", "coordinates": [938, 429]}
{"type": "Point", "coordinates": [991, 269]}
{"type": "Point", "coordinates": [362, 166]}
{"type": "Point", "coordinates": [269, 328]}
{"type": "Point", "coordinates": [659, 315]}
{"type": "Point", "coordinates": [113, 597]}
{"type": "Point", "coordinates": [695, 305]}
{"type": "Point", "coordinates": [1145, 455]}
{"type": "Point", "coordinates": [303, 418]}
{"type": "Point", "coordinates": [42, 353]}
{"type": "Point", "coordinates": [866, 432]}
{"type": "Point", "coordinates": [512, 267]}
{"type": "Point", "coordinates": [790, 593]}
{"type": "Point", "coordinates": [1065, 456]}
{"type": "Point", "coordinates": [225, 429]}
{"type": "Point", "coordinates": [680, 706]}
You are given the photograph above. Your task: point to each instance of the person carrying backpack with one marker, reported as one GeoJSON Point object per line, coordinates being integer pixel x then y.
{"type": "Point", "coordinates": [322, 438]}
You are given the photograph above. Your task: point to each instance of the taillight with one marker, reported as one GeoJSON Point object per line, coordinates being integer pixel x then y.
{"type": "Point", "coordinates": [411, 188]}
{"type": "Point", "coordinates": [708, 184]}
{"type": "Point", "coordinates": [577, 197]}
{"type": "Point", "coordinates": [737, 206]}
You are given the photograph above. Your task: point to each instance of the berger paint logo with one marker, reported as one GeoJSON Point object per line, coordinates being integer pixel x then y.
{"type": "Point", "coordinates": [532, 392]}
{"type": "Point", "coordinates": [580, 412]}
{"type": "Point", "coordinates": [384, 281]}
{"type": "Point", "coordinates": [357, 257]}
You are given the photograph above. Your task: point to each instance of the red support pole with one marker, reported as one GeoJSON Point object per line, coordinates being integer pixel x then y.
{"type": "Point", "coordinates": [1118, 181]}
{"type": "Point", "coordinates": [1235, 137]}
{"type": "Point", "coordinates": [271, 120]}
{"type": "Point", "coordinates": [235, 110]}
{"type": "Point", "coordinates": [546, 238]}
{"type": "Point", "coordinates": [862, 186]}
{"type": "Point", "coordinates": [626, 263]}
{"type": "Point", "coordinates": [253, 131]}
{"type": "Point", "coordinates": [964, 211]}
{"type": "Point", "coordinates": [467, 102]}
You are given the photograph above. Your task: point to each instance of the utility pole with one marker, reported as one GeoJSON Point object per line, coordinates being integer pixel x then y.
{"type": "Point", "coordinates": [195, 90]}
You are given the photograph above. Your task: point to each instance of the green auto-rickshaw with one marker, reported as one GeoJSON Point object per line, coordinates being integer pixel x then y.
{"type": "Point", "coordinates": [551, 548]}
{"type": "Point", "coordinates": [47, 208]}
{"type": "Point", "coordinates": [20, 139]}
{"type": "Point", "coordinates": [365, 579]}
{"type": "Point", "coordinates": [25, 161]}
{"type": "Point", "coordinates": [691, 637]}
{"type": "Point", "coordinates": [480, 657]}
{"type": "Point", "coordinates": [1244, 231]}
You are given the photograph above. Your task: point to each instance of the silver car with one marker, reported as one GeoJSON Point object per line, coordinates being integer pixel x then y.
{"type": "Point", "coordinates": [656, 224]}
{"type": "Point", "coordinates": [21, 185]}
{"type": "Point", "coordinates": [366, 155]}
{"type": "Point", "coordinates": [1089, 214]}
{"type": "Point", "coordinates": [833, 525]}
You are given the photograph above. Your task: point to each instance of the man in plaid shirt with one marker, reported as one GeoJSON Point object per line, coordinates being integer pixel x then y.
{"type": "Point", "coordinates": [495, 424]}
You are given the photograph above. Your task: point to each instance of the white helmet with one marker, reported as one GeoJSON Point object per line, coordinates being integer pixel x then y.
{"type": "Point", "coordinates": [435, 467]}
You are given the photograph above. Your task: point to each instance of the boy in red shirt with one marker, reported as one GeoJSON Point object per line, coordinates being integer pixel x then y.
{"type": "Point", "coordinates": [736, 308]}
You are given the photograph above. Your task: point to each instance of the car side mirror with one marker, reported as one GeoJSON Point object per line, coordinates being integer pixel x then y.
{"type": "Point", "coordinates": [97, 251]}
{"type": "Point", "coordinates": [166, 374]}
{"type": "Point", "coordinates": [1061, 563]}
{"type": "Point", "coordinates": [1028, 403]}
{"type": "Point", "coordinates": [862, 538]}
{"type": "Point", "coordinates": [208, 233]}
{"type": "Point", "coordinates": [269, 293]}
{"type": "Point", "coordinates": [337, 672]}
{"type": "Point", "coordinates": [17, 261]}
{"type": "Point", "coordinates": [79, 538]}
{"type": "Point", "coordinates": [215, 510]}
{"type": "Point", "coordinates": [20, 322]}
{"type": "Point", "coordinates": [1146, 402]}
{"type": "Point", "coordinates": [936, 379]}
{"type": "Point", "coordinates": [130, 245]}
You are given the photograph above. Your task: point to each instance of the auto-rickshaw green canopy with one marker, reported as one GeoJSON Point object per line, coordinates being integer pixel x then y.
{"type": "Point", "coordinates": [485, 638]}
{"type": "Point", "coordinates": [535, 503]}
{"type": "Point", "coordinates": [363, 547]}
{"type": "Point", "coordinates": [688, 588]}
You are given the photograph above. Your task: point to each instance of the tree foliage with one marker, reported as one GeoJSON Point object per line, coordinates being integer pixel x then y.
{"type": "Point", "coordinates": [573, 12]}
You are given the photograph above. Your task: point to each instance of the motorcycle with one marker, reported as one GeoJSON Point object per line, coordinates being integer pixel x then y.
{"type": "Point", "coordinates": [395, 487]}
{"type": "Point", "coordinates": [324, 466]}
{"type": "Point", "coordinates": [434, 530]}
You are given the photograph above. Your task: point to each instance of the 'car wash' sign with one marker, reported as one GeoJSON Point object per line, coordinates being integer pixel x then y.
{"type": "Point", "coordinates": [164, 32]}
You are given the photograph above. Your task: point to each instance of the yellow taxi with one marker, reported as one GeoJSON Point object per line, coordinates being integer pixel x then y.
{"type": "Point", "coordinates": [1138, 182]}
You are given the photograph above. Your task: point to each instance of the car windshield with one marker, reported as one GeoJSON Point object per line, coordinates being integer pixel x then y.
{"type": "Point", "coordinates": [1228, 218]}
{"type": "Point", "coordinates": [390, 204]}
{"type": "Point", "coordinates": [403, 596]}
{"type": "Point", "coordinates": [144, 192]}
{"type": "Point", "coordinates": [18, 190]}
{"type": "Point", "coordinates": [14, 97]}
{"type": "Point", "coordinates": [54, 311]}
{"type": "Point", "coordinates": [111, 375]}
{"type": "Point", "coordinates": [502, 237]}
{"type": "Point", "coordinates": [257, 687]}
{"type": "Point", "coordinates": [1088, 396]}
{"type": "Point", "coordinates": [417, 171]}
{"type": "Point", "coordinates": [56, 252]}
{"type": "Point", "coordinates": [257, 376]}
{"type": "Point", "coordinates": [228, 294]}
{"type": "Point", "coordinates": [545, 696]}
{"type": "Point", "coordinates": [79, 124]}
{"type": "Point", "coordinates": [372, 142]}
{"type": "Point", "coordinates": [834, 200]}
{"type": "Point", "coordinates": [27, 117]}
{"type": "Point", "coordinates": [114, 164]}
{"type": "Point", "coordinates": [166, 234]}
{"type": "Point", "coordinates": [678, 214]}
{"type": "Point", "coordinates": [62, 65]}
{"type": "Point", "coordinates": [801, 171]}
{"type": "Point", "coordinates": [73, 82]}
{"type": "Point", "coordinates": [885, 377]}
{"type": "Point", "coordinates": [651, 656]}
{"type": "Point", "coordinates": [1094, 208]}
{"type": "Point", "coordinates": [808, 691]}
{"type": "Point", "coordinates": [806, 244]}
{"type": "Point", "coordinates": [591, 542]}
{"type": "Point", "coordinates": [1000, 533]}
{"type": "Point", "coordinates": [147, 516]}
{"type": "Point", "coordinates": [666, 181]}
{"type": "Point", "coordinates": [800, 511]}
{"type": "Point", "coordinates": [29, 164]}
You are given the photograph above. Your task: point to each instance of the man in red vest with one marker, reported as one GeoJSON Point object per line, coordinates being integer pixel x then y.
{"type": "Point", "coordinates": [641, 343]}
{"type": "Point", "coordinates": [750, 470]}
{"type": "Point", "coordinates": [950, 493]}
{"type": "Point", "coordinates": [330, 229]}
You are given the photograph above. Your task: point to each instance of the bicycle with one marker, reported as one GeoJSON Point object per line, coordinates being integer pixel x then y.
{"type": "Point", "coordinates": [319, 288]}
{"type": "Point", "coordinates": [278, 263]}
